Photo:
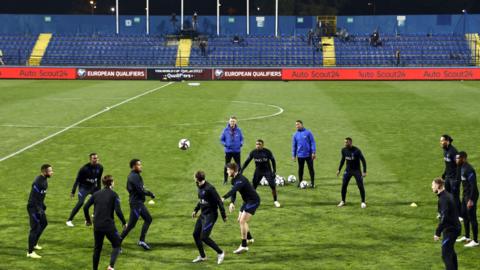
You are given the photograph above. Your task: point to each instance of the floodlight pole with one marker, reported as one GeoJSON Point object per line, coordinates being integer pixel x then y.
{"type": "Point", "coordinates": [218, 17]}
{"type": "Point", "coordinates": [248, 17]}
{"type": "Point", "coordinates": [147, 22]}
{"type": "Point", "coordinates": [181, 15]}
{"type": "Point", "coordinates": [276, 18]}
{"type": "Point", "coordinates": [117, 23]}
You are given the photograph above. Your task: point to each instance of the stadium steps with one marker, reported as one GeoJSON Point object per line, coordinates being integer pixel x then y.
{"type": "Point", "coordinates": [328, 46]}
{"type": "Point", "coordinates": [183, 53]}
{"type": "Point", "coordinates": [39, 49]}
{"type": "Point", "coordinates": [474, 43]}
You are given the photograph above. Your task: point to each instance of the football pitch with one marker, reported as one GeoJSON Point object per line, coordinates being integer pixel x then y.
{"type": "Point", "coordinates": [397, 125]}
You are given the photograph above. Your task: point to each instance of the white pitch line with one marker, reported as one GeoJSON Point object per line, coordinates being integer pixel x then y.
{"type": "Point", "coordinates": [80, 99]}
{"type": "Point", "coordinates": [280, 111]}
{"type": "Point", "coordinates": [83, 120]}
{"type": "Point", "coordinates": [82, 127]}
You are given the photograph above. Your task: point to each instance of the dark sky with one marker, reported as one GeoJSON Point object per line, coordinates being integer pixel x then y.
{"type": "Point", "coordinates": [238, 7]}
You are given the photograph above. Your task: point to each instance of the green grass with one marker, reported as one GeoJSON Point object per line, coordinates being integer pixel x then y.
{"type": "Point", "coordinates": [396, 124]}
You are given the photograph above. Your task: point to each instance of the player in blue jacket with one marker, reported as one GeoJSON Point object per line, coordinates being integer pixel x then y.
{"type": "Point", "coordinates": [232, 140]}
{"type": "Point", "coordinates": [304, 150]}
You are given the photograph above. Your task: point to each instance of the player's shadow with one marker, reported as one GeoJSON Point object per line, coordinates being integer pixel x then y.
{"type": "Point", "coordinates": [160, 245]}
{"type": "Point", "coordinates": [319, 251]}
{"type": "Point", "coordinates": [86, 245]}
{"type": "Point", "coordinates": [403, 203]}
{"type": "Point", "coordinates": [379, 183]}
{"type": "Point", "coordinates": [10, 250]}
{"type": "Point", "coordinates": [176, 216]}
{"type": "Point", "coordinates": [323, 203]}
{"type": "Point", "coordinates": [303, 204]}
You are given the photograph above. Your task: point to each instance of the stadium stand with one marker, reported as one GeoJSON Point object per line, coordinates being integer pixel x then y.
{"type": "Point", "coordinates": [415, 50]}
{"type": "Point", "coordinates": [263, 51]}
{"type": "Point", "coordinates": [109, 50]}
{"type": "Point", "coordinates": [257, 51]}
{"type": "Point", "coordinates": [16, 48]}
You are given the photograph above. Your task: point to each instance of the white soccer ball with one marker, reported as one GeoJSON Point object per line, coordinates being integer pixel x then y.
{"type": "Point", "coordinates": [303, 184]}
{"type": "Point", "coordinates": [184, 144]}
{"type": "Point", "coordinates": [292, 179]}
{"type": "Point", "coordinates": [264, 181]}
{"type": "Point", "coordinates": [279, 180]}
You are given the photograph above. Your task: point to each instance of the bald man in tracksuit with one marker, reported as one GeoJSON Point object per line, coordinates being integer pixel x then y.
{"type": "Point", "coordinates": [232, 141]}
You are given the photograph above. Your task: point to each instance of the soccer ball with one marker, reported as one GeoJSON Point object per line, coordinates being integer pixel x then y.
{"type": "Point", "coordinates": [303, 184]}
{"type": "Point", "coordinates": [264, 181]}
{"type": "Point", "coordinates": [279, 180]}
{"type": "Point", "coordinates": [184, 144]}
{"type": "Point", "coordinates": [292, 179]}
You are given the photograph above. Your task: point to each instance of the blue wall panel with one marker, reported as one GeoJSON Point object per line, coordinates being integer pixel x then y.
{"type": "Point", "coordinates": [288, 25]}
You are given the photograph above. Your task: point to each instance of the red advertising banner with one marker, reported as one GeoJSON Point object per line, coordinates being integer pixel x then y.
{"type": "Point", "coordinates": [380, 74]}
{"type": "Point", "coordinates": [37, 73]}
{"type": "Point", "coordinates": [112, 74]}
{"type": "Point", "coordinates": [248, 74]}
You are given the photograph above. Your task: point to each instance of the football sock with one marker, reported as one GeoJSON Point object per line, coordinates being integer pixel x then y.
{"type": "Point", "coordinates": [244, 242]}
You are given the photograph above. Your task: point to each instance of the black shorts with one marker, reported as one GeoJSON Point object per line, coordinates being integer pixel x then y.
{"type": "Point", "coordinates": [250, 207]}
{"type": "Point", "coordinates": [258, 175]}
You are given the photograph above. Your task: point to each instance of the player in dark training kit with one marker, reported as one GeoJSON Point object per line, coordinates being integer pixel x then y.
{"type": "Point", "coordinates": [448, 225]}
{"type": "Point", "coordinates": [251, 201]}
{"type": "Point", "coordinates": [137, 192]}
{"type": "Point", "coordinates": [105, 201]}
{"type": "Point", "coordinates": [452, 184]}
{"type": "Point", "coordinates": [353, 156]}
{"type": "Point", "coordinates": [88, 182]}
{"type": "Point", "coordinates": [36, 210]}
{"type": "Point", "coordinates": [262, 157]}
{"type": "Point", "coordinates": [209, 202]}
{"type": "Point", "coordinates": [468, 177]}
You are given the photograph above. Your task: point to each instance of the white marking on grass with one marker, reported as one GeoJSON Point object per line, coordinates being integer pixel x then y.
{"type": "Point", "coordinates": [77, 127]}
{"type": "Point", "coordinates": [80, 98]}
{"type": "Point", "coordinates": [280, 111]}
{"type": "Point", "coordinates": [81, 121]}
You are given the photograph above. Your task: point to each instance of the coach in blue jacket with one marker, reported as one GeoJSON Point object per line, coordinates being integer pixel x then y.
{"type": "Point", "coordinates": [232, 140]}
{"type": "Point", "coordinates": [304, 149]}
